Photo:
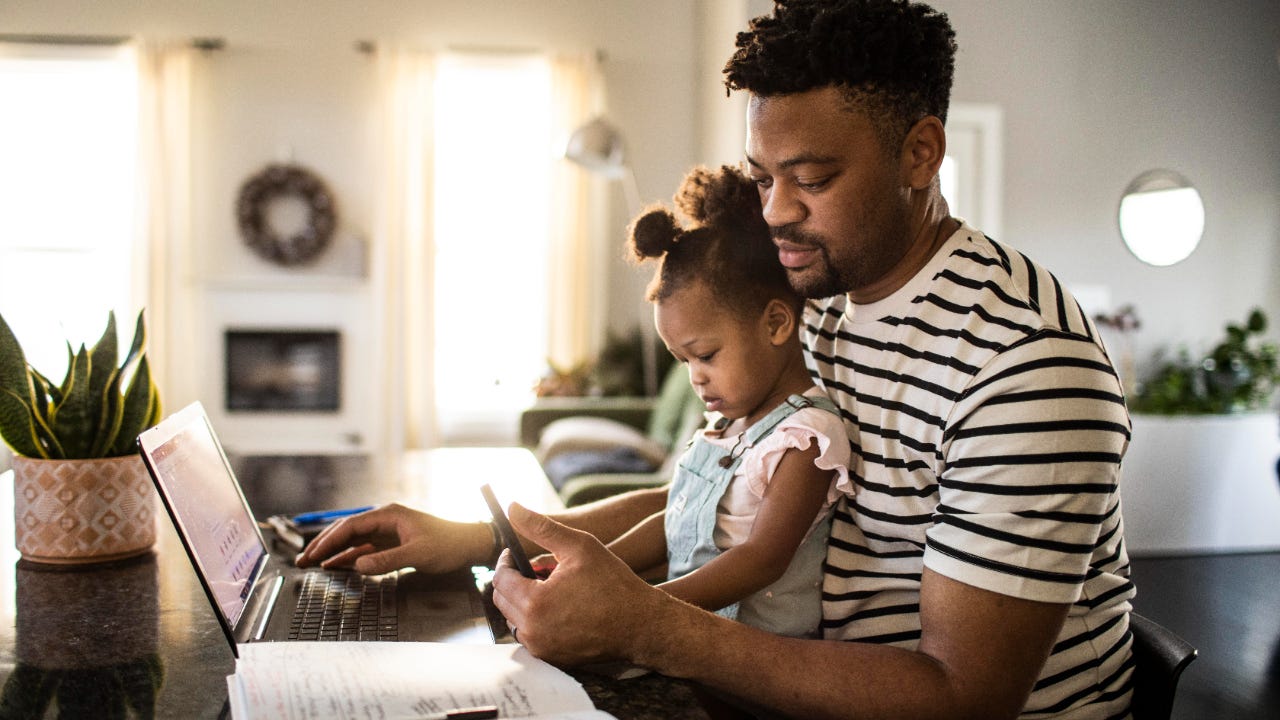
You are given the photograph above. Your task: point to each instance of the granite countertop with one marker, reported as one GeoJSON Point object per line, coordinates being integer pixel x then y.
{"type": "Point", "coordinates": [648, 697]}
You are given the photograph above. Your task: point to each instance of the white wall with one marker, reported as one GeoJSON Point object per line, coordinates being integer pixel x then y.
{"type": "Point", "coordinates": [290, 82]}
{"type": "Point", "coordinates": [1094, 92]}
{"type": "Point", "coordinates": [290, 78]}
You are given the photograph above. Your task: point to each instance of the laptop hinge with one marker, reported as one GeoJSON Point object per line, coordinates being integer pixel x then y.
{"type": "Point", "coordinates": [265, 615]}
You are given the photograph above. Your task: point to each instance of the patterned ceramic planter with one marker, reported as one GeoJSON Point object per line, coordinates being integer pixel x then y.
{"type": "Point", "coordinates": [83, 511]}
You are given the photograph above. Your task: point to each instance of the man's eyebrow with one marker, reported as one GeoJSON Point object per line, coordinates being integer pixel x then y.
{"type": "Point", "coordinates": [801, 159]}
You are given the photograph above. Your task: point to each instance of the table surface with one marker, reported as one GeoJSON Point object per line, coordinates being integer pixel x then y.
{"type": "Point", "coordinates": [139, 633]}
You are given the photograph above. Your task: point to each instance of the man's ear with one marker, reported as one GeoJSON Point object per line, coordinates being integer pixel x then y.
{"type": "Point", "coordinates": [780, 320]}
{"type": "Point", "coordinates": [923, 151]}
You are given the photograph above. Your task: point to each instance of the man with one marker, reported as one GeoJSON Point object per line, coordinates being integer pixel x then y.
{"type": "Point", "coordinates": [979, 570]}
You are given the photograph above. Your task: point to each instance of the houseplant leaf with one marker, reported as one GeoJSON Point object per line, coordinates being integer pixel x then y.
{"type": "Point", "coordinates": [139, 406]}
{"type": "Point", "coordinates": [87, 415]}
{"type": "Point", "coordinates": [74, 419]}
{"type": "Point", "coordinates": [103, 357]}
{"type": "Point", "coordinates": [104, 384]}
{"type": "Point", "coordinates": [139, 342]}
{"type": "Point", "coordinates": [17, 425]}
{"type": "Point", "coordinates": [17, 396]}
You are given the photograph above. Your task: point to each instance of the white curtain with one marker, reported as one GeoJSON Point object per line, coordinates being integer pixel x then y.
{"type": "Point", "coordinates": [402, 240]}
{"type": "Point", "coordinates": [577, 265]}
{"type": "Point", "coordinates": [163, 247]}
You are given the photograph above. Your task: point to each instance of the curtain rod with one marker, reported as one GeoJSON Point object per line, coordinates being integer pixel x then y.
{"type": "Point", "coordinates": [369, 47]}
{"type": "Point", "coordinates": [200, 43]}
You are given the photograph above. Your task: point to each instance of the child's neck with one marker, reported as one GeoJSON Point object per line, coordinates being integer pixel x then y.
{"type": "Point", "coordinates": [794, 380]}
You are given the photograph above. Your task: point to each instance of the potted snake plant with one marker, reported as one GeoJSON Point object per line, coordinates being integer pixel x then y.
{"type": "Point", "coordinates": [81, 492]}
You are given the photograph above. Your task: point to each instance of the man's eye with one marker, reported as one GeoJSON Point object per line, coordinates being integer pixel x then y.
{"type": "Point", "coordinates": [763, 182]}
{"type": "Point", "coordinates": [812, 185]}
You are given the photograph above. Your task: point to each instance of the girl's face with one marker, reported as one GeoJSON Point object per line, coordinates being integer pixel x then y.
{"type": "Point", "coordinates": [733, 364]}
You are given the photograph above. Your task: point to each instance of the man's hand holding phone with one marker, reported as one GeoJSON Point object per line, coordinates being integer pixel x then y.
{"type": "Point", "coordinates": [508, 534]}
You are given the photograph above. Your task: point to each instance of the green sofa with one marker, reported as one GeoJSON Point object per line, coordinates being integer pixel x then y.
{"type": "Point", "coordinates": [656, 429]}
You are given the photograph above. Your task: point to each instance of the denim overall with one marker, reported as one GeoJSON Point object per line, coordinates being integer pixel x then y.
{"type": "Point", "coordinates": [792, 605]}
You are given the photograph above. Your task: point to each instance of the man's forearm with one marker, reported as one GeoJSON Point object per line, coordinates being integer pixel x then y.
{"type": "Point", "coordinates": [797, 677]}
{"type": "Point", "coordinates": [978, 656]}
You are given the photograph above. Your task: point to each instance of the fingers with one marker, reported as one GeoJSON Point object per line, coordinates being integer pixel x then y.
{"type": "Point", "coordinates": [546, 610]}
{"type": "Point", "coordinates": [341, 537]}
{"type": "Point", "coordinates": [511, 591]}
{"type": "Point", "coordinates": [347, 557]}
{"type": "Point", "coordinates": [557, 538]}
{"type": "Point", "coordinates": [386, 561]}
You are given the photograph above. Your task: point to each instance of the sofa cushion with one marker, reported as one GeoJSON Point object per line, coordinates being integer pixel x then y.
{"type": "Point", "coordinates": [568, 465]}
{"type": "Point", "coordinates": [584, 433]}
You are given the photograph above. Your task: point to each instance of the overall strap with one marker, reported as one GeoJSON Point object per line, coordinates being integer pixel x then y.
{"type": "Point", "coordinates": [769, 422]}
{"type": "Point", "coordinates": [785, 410]}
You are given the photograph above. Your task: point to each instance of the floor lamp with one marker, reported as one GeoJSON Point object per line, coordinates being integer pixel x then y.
{"type": "Point", "coordinates": [597, 146]}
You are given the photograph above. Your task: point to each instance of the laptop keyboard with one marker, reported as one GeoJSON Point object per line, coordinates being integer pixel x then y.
{"type": "Point", "coordinates": [345, 606]}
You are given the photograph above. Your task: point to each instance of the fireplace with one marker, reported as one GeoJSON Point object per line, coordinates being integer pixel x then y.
{"type": "Point", "coordinates": [283, 370]}
{"type": "Point", "coordinates": [292, 370]}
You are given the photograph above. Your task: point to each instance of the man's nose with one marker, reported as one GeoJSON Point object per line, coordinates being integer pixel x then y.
{"type": "Point", "coordinates": [782, 206]}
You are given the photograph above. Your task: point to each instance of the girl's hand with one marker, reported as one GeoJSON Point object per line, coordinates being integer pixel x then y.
{"type": "Point", "coordinates": [543, 564]}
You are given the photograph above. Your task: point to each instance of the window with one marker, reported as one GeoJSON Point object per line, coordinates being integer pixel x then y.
{"type": "Point", "coordinates": [492, 198]}
{"type": "Point", "coordinates": [971, 172]}
{"type": "Point", "coordinates": [68, 137]}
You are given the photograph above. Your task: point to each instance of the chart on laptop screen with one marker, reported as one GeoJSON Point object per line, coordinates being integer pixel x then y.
{"type": "Point", "coordinates": [221, 532]}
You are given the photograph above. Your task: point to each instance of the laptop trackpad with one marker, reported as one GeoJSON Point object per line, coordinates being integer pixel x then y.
{"type": "Point", "coordinates": [442, 608]}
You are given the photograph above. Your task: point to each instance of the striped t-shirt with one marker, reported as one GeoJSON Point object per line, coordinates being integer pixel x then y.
{"type": "Point", "coordinates": [987, 427]}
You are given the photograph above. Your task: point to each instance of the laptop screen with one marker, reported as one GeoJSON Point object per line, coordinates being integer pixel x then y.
{"type": "Point", "coordinates": [199, 487]}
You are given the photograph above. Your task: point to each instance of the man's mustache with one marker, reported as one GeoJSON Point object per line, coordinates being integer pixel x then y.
{"type": "Point", "coordinates": [794, 234]}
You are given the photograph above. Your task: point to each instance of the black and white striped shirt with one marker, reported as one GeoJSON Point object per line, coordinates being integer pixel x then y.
{"type": "Point", "coordinates": [987, 428]}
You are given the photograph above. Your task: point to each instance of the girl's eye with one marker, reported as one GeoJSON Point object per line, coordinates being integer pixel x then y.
{"type": "Point", "coordinates": [706, 358]}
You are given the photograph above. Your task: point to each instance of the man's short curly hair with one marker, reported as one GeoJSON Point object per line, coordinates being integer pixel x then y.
{"type": "Point", "coordinates": [893, 58]}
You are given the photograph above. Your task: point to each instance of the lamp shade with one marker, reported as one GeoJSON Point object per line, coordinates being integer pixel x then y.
{"type": "Point", "coordinates": [597, 146]}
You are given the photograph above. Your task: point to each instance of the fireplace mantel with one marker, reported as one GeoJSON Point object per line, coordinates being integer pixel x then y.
{"type": "Point", "coordinates": [308, 306]}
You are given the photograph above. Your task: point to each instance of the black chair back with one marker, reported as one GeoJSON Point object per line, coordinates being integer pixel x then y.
{"type": "Point", "coordinates": [1159, 656]}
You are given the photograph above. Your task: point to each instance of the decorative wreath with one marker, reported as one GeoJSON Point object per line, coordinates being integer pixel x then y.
{"type": "Point", "coordinates": [273, 182]}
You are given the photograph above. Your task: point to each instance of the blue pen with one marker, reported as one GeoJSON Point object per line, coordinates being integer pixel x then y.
{"type": "Point", "coordinates": [311, 518]}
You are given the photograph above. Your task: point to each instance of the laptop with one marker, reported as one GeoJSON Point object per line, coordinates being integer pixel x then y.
{"type": "Point", "coordinates": [258, 596]}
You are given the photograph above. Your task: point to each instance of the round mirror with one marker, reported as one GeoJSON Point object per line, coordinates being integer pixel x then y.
{"type": "Point", "coordinates": [1161, 217]}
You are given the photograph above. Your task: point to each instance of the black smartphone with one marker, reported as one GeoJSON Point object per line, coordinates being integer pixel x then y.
{"type": "Point", "coordinates": [508, 533]}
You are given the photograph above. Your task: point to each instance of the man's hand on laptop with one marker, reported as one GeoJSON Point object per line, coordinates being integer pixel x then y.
{"type": "Point", "coordinates": [393, 537]}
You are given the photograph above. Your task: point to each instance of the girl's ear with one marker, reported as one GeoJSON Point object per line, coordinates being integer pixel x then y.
{"type": "Point", "coordinates": [780, 320]}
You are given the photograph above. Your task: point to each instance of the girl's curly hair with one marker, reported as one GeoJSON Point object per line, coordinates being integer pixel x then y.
{"type": "Point", "coordinates": [893, 58]}
{"type": "Point", "coordinates": [725, 242]}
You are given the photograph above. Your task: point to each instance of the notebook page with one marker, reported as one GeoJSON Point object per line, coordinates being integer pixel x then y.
{"type": "Point", "coordinates": [339, 680]}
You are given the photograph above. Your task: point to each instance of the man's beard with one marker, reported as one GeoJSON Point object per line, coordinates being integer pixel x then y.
{"type": "Point", "coordinates": [820, 279]}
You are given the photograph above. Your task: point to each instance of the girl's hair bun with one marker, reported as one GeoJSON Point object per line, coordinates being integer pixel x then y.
{"type": "Point", "coordinates": [654, 233]}
{"type": "Point", "coordinates": [721, 197]}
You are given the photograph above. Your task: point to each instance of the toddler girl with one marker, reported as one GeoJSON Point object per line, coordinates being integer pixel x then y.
{"type": "Point", "coordinates": [748, 513]}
